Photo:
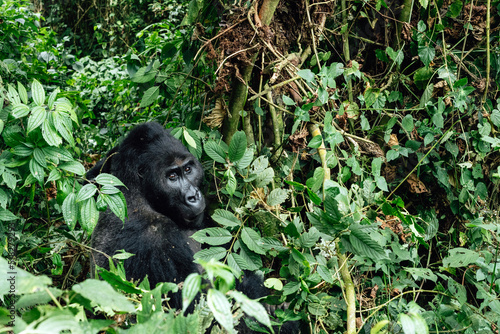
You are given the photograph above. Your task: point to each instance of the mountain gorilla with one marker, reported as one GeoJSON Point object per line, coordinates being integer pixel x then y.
{"type": "Point", "coordinates": [165, 207]}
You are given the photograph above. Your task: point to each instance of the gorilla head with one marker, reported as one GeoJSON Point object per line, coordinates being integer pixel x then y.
{"type": "Point", "coordinates": [164, 203]}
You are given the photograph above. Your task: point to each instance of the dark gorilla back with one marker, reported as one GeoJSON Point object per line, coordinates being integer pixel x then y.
{"type": "Point", "coordinates": [165, 207]}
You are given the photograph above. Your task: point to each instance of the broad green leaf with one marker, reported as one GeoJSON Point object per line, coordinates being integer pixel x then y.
{"type": "Point", "coordinates": [85, 192]}
{"type": "Point", "coordinates": [408, 123]}
{"type": "Point", "coordinates": [226, 218]}
{"type": "Point", "coordinates": [37, 117]}
{"type": "Point", "coordinates": [213, 236]}
{"type": "Point", "coordinates": [315, 142]}
{"type": "Point", "coordinates": [424, 273]}
{"type": "Point", "coordinates": [426, 54]}
{"type": "Point", "coordinates": [70, 210]}
{"type": "Point", "coordinates": [23, 94]}
{"type": "Point", "coordinates": [495, 118]}
{"type": "Point", "coordinates": [49, 134]}
{"type": "Point", "coordinates": [407, 324]}
{"type": "Point", "coordinates": [246, 160]}
{"type": "Point", "coordinates": [392, 155]}
{"type": "Point", "coordinates": [143, 75]}
{"type": "Point", "coordinates": [237, 264]}
{"type": "Point", "coordinates": [117, 205]}
{"type": "Point", "coordinates": [89, 214]}
{"type": "Point", "coordinates": [231, 182]}
{"type": "Point", "coordinates": [277, 196]}
{"type": "Point", "coordinates": [215, 152]}
{"type": "Point", "coordinates": [250, 238]}
{"type": "Point", "coordinates": [150, 96]}
{"type": "Point", "coordinates": [52, 98]}
{"type": "Point", "coordinates": [306, 74]}
{"type": "Point", "coordinates": [426, 95]}
{"type": "Point", "coordinates": [273, 283]}
{"type": "Point", "coordinates": [38, 93]}
{"type": "Point", "coordinates": [221, 309]}
{"type": "Point", "coordinates": [6, 215]}
{"type": "Point", "coordinates": [365, 246]}
{"type": "Point", "coordinates": [325, 273]}
{"type": "Point", "coordinates": [106, 179]}
{"type": "Point", "coordinates": [54, 175]}
{"type": "Point", "coordinates": [73, 167]}
{"type": "Point", "coordinates": [460, 257]}
{"type": "Point", "coordinates": [288, 101]}
{"type": "Point", "coordinates": [264, 178]}
{"type": "Point", "coordinates": [109, 190]}
{"type": "Point", "coordinates": [22, 150]}
{"type": "Point", "coordinates": [36, 170]}
{"type": "Point", "coordinates": [252, 308]}
{"type": "Point", "coordinates": [12, 95]}
{"type": "Point", "coordinates": [40, 157]}
{"type": "Point", "coordinates": [191, 288]}
{"type": "Point", "coordinates": [237, 146]}
{"type": "Point", "coordinates": [191, 142]}
{"type": "Point", "coordinates": [107, 298]}
{"type": "Point", "coordinates": [381, 183]}
{"type": "Point", "coordinates": [216, 253]}
{"type": "Point", "coordinates": [20, 110]}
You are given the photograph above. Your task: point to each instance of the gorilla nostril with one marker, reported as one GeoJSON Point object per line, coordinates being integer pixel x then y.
{"type": "Point", "coordinates": [193, 198]}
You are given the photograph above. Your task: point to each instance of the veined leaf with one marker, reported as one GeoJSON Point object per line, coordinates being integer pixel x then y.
{"type": "Point", "coordinates": [150, 96]}
{"type": "Point", "coordinates": [192, 285]}
{"type": "Point", "coordinates": [73, 167]}
{"type": "Point", "coordinates": [117, 205]}
{"type": "Point", "coordinates": [23, 94]}
{"type": "Point", "coordinates": [252, 308]}
{"type": "Point", "coordinates": [226, 218]}
{"type": "Point", "coordinates": [70, 210]}
{"type": "Point", "coordinates": [216, 253]}
{"type": "Point", "coordinates": [250, 237]}
{"type": "Point", "coordinates": [237, 146]}
{"type": "Point", "coordinates": [38, 93]}
{"type": "Point", "coordinates": [106, 179]}
{"type": "Point", "coordinates": [89, 214]}
{"type": "Point", "coordinates": [365, 246]}
{"type": "Point", "coordinates": [213, 236]}
{"type": "Point", "coordinates": [38, 115]}
{"type": "Point", "coordinates": [86, 192]}
{"type": "Point", "coordinates": [20, 110]}
{"type": "Point", "coordinates": [215, 152]}
{"type": "Point", "coordinates": [221, 309]}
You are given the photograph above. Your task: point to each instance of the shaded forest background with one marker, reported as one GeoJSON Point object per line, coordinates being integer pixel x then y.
{"type": "Point", "coordinates": [351, 151]}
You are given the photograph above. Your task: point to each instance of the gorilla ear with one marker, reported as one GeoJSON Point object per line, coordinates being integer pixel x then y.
{"type": "Point", "coordinates": [142, 135]}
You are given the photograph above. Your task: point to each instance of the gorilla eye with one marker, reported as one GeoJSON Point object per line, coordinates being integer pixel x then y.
{"type": "Point", "coordinates": [187, 170]}
{"type": "Point", "coordinates": [172, 176]}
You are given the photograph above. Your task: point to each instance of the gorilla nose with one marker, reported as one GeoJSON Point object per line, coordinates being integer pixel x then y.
{"type": "Point", "coordinates": [193, 196]}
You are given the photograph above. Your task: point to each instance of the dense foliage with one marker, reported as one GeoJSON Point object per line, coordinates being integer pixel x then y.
{"type": "Point", "coordinates": [351, 152]}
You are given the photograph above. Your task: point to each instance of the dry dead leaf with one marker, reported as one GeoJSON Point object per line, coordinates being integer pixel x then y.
{"type": "Point", "coordinates": [416, 186]}
{"type": "Point", "coordinates": [393, 141]}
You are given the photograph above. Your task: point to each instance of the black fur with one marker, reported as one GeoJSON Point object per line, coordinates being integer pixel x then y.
{"type": "Point", "coordinates": [162, 213]}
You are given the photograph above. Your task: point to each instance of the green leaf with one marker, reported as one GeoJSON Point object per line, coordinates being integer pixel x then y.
{"type": "Point", "coordinates": [191, 142]}
{"type": "Point", "coordinates": [20, 110]}
{"type": "Point", "coordinates": [277, 196]}
{"type": "Point", "coordinates": [36, 170]}
{"type": "Point", "coordinates": [85, 192]}
{"type": "Point", "coordinates": [192, 286]}
{"type": "Point", "coordinates": [216, 253]}
{"type": "Point", "coordinates": [6, 215]}
{"type": "Point", "coordinates": [226, 218]}
{"type": "Point", "coordinates": [424, 273]}
{"type": "Point", "coordinates": [495, 118]}
{"type": "Point", "coordinates": [426, 95]}
{"type": "Point", "coordinates": [288, 101]}
{"type": "Point", "coordinates": [407, 324]}
{"type": "Point", "coordinates": [144, 74]}
{"type": "Point", "coordinates": [381, 183]}
{"type": "Point", "coordinates": [246, 160]}
{"type": "Point", "coordinates": [315, 142]}
{"type": "Point", "coordinates": [365, 246]}
{"type": "Point", "coordinates": [325, 273]}
{"type": "Point", "coordinates": [252, 308]}
{"type": "Point", "coordinates": [264, 178]}
{"type": "Point", "coordinates": [273, 283]}
{"type": "Point", "coordinates": [237, 146]}
{"type": "Point", "coordinates": [12, 95]}
{"type": "Point", "coordinates": [106, 179]}
{"type": "Point", "coordinates": [215, 152]}
{"type": "Point", "coordinates": [52, 98]}
{"type": "Point", "coordinates": [221, 309]}
{"type": "Point", "coordinates": [392, 155]}
{"type": "Point", "coordinates": [150, 96]}
{"type": "Point", "coordinates": [38, 93]}
{"type": "Point", "coordinates": [117, 205]}
{"type": "Point", "coordinates": [23, 94]}
{"type": "Point", "coordinates": [231, 182]}
{"type": "Point", "coordinates": [426, 54]}
{"type": "Point", "coordinates": [460, 257]}
{"type": "Point", "coordinates": [408, 123]}
{"type": "Point", "coordinates": [70, 210]}
{"type": "Point", "coordinates": [40, 157]}
{"type": "Point", "coordinates": [49, 134]}
{"type": "Point", "coordinates": [397, 57]}
{"type": "Point", "coordinates": [73, 167]}
{"type": "Point", "coordinates": [89, 214]}
{"type": "Point", "coordinates": [307, 75]}
{"type": "Point", "coordinates": [213, 236]}
{"type": "Point", "coordinates": [37, 117]}
{"type": "Point", "coordinates": [107, 298]}
{"type": "Point", "coordinates": [250, 238]}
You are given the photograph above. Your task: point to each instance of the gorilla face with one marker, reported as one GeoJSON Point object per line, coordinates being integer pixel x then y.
{"type": "Point", "coordinates": [156, 168]}
{"type": "Point", "coordinates": [171, 185]}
